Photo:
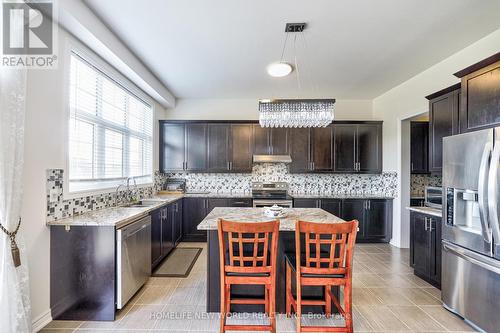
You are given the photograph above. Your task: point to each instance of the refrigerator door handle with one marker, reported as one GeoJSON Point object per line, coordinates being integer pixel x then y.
{"type": "Point", "coordinates": [479, 260]}
{"type": "Point", "coordinates": [483, 192]}
{"type": "Point", "coordinates": [493, 191]}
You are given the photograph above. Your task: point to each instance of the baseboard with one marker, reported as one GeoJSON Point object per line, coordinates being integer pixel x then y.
{"type": "Point", "coordinates": [41, 321]}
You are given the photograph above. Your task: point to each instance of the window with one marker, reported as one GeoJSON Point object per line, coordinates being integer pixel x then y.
{"type": "Point", "coordinates": [110, 131]}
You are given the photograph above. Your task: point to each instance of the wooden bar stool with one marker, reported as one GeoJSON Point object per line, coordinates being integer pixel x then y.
{"type": "Point", "coordinates": [327, 262]}
{"type": "Point", "coordinates": [252, 260]}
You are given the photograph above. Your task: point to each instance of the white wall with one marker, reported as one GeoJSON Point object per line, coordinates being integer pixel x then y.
{"type": "Point", "coordinates": [46, 114]}
{"type": "Point", "coordinates": [247, 109]}
{"type": "Point", "coordinates": [408, 99]}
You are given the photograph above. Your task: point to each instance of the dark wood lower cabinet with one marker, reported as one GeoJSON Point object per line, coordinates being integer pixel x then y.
{"type": "Point", "coordinates": [166, 231]}
{"type": "Point", "coordinates": [177, 221]}
{"type": "Point", "coordinates": [374, 215]}
{"type": "Point", "coordinates": [425, 247]}
{"type": "Point", "coordinates": [156, 237]}
{"type": "Point", "coordinates": [332, 206]}
{"type": "Point", "coordinates": [354, 209]}
{"type": "Point", "coordinates": [196, 209]}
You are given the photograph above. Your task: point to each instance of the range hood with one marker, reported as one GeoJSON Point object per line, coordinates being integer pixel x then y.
{"type": "Point", "coordinates": [272, 159]}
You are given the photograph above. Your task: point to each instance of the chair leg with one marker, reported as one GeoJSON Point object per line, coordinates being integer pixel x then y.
{"type": "Point", "coordinates": [298, 308]}
{"type": "Point", "coordinates": [272, 307]}
{"type": "Point", "coordinates": [288, 290]}
{"type": "Point", "coordinates": [223, 307]}
{"type": "Point", "coordinates": [348, 306]}
{"type": "Point", "coordinates": [328, 301]}
{"type": "Point", "coordinates": [266, 296]}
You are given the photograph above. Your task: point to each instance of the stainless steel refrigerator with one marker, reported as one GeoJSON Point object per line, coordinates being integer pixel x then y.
{"type": "Point", "coordinates": [471, 231]}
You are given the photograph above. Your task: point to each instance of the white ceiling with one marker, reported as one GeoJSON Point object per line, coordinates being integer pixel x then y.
{"type": "Point", "coordinates": [356, 49]}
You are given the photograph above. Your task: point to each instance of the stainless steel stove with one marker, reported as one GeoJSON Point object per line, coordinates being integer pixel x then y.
{"type": "Point", "coordinates": [266, 194]}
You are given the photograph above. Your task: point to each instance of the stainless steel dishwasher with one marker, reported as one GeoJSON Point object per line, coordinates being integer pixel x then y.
{"type": "Point", "coordinates": [133, 258]}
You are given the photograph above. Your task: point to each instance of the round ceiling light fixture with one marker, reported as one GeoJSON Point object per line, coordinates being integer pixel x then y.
{"type": "Point", "coordinates": [279, 69]}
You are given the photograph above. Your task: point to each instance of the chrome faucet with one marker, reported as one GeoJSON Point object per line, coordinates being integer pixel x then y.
{"type": "Point", "coordinates": [117, 193]}
{"type": "Point", "coordinates": [132, 194]}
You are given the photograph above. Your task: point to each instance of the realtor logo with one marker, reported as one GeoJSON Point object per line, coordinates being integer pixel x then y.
{"type": "Point", "coordinates": [28, 34]}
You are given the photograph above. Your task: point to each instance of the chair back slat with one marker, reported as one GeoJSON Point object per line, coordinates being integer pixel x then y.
{"type": "Point", "coordinates": [248, 246]}
{"type": "Point", "coordinates": [328, 247]}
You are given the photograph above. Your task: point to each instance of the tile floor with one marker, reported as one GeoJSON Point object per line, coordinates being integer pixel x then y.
{"type": "Point", "coordinates": [387, 297]}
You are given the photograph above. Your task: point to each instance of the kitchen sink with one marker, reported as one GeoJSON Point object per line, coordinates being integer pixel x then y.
{"type": "Point", "coordinates": [142, 203]}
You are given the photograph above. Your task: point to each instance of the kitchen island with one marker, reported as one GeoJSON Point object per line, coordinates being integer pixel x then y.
{"type": "Point", "coordinates": [286, 245]}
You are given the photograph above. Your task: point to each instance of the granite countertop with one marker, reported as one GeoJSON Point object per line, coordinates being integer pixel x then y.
{"type": "Point", "coordinates": [342, 196]}
{"type": "Point", "coordinates": [121, 216]}
{"type": "Point", "coordinates": [117, 217]}
{"type": "Point", "coordinates": [257, 215]}
{"type": "Point", "coordinates": [427, 210]}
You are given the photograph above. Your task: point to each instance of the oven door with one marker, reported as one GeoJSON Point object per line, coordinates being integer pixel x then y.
{"type": "Point", "coordinates": [269, 203]}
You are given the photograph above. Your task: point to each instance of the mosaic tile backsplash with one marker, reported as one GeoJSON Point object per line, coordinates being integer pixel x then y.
{"type": "Point", "coordinates": [62, 208]}
{"type": "Point", "coordinates": [383, 184]}
{"type": "Point", "coordinates": [419, 182]}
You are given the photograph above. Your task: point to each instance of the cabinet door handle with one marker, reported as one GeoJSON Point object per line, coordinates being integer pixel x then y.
{"type": "Point", "coordinates": [231, 165]}
{"type": "Point", "coordinates": [426, 221]}
{"type": "Point", "coordinates": [369, 205]}
{"type": "Point", "coordinates": [412, 166]}
{"type": "Point", "coordinates": [430, 224]}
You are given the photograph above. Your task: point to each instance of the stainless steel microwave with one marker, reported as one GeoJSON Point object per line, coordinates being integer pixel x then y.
{"type": "Point", "coordinates": [433, 197]}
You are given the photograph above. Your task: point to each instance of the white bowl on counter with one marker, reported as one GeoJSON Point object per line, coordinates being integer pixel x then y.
{"type": "Point", "coordinates": [274, 211]}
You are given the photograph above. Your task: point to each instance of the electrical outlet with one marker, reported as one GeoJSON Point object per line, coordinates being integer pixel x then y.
{"type": "Point", "coordinates": [53, 195]}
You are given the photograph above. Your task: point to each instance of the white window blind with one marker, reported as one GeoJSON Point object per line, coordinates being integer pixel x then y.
{"type": "Point", "coordinates": [110, 131]}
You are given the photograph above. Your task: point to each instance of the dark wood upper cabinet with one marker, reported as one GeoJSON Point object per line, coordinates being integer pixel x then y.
{"type": "Point", "coordinates": [369, 148]}
{"type": "Point", "coordinates": [196, 147]}
{"type": "Point", "coordinates": [241, 144]}
{"type": "Point", "coordinates": [345, 147]}
{"type": "Point", "coordinates": [222, 146]}
{"type": "Point", "coordinates": [300, 150]}
{"type": "Point", "coordinates": [358, 147]}
{"type": "Point", "coordinates": [480, 95]}
{"type": "Point", "coordinates": [172, 146]}
{"type": "Point", "coordinates": [261, 143]}
{"type": "Point", "coordinates": [270, 141]}
{"type": "Point", "coordinates": [322, 150]}
{"type": "Point", "coordinates": [443, 121]}
{"type": "Point", "coordinates": [419, 147]}
{"type": "Point", "coordinates": [278, 139]}
{"type": "Point", "coordinates": [218, 147]}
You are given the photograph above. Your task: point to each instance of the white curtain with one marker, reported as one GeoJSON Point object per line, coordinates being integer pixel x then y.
{"type": "Point", "coordinates": [15, 307]}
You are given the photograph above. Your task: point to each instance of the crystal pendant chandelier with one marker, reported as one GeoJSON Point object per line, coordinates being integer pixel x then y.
{"type": "Point", "coordinates": [296, 112]}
